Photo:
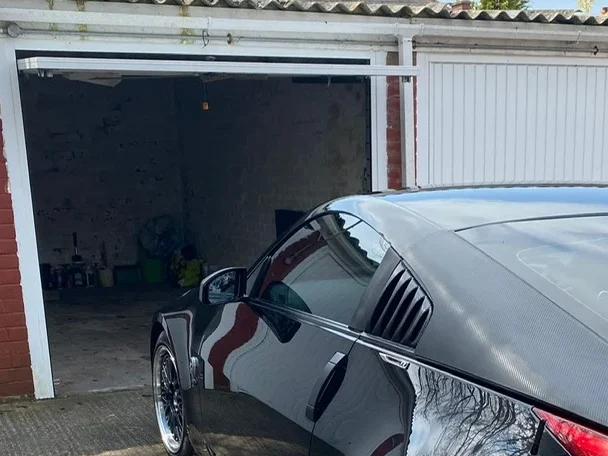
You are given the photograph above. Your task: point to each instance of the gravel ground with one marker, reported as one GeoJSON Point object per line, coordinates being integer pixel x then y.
{"type": "Point", "coordinates": [119, 423]}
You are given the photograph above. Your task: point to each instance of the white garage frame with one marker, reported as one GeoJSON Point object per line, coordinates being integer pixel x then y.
{"type": "Point", "coordinates": [281, 35]}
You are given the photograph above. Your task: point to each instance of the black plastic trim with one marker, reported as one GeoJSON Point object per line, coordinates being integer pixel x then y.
{"type": "Point", "coordinates": [374, 289]}
{"type": "Point", "coordinates": [395, 305]}
{"type": "Point", "coordinates": [307, 318]}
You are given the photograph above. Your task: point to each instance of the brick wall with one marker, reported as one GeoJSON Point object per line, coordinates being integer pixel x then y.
{"type": "Point", "coordinates": [267, 145]}
{"type": "Point", "coordinates": [103, 161]}
{"type": "Point", "coordinates": [393, 127]}
{"type": "Point", "coordinates": [415, 89]}
{"type": "Point", "coordinates": [15, 370]}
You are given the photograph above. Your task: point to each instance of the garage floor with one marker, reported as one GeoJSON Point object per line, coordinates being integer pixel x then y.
{"type": "Point", "coordinates": [99, 337]}
{"type": "Point", "coordinates": [105, 424]}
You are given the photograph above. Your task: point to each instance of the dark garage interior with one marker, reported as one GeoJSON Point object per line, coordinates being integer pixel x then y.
{"type": "Point", "coordinates": [141, 186]}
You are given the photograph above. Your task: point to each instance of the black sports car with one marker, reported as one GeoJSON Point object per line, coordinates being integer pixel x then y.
{"type": "Point", "coordinates": [441, 322]}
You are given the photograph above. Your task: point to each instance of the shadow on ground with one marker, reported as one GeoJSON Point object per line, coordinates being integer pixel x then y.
{"type": "Point", "coordinates": [97, 424]}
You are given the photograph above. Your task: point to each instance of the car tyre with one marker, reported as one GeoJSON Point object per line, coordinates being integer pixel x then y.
{"type": "Point", "coordinates": [168, 396]}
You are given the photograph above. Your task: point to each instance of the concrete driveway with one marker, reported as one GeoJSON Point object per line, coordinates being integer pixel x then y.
{"type": "Point", "coordinates": [98, 424]}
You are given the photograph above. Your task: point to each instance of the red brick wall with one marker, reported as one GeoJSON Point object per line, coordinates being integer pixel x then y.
{"type": "Point", "coordinates": [415, 82]}
{"type": "Point", "coordinates": [393, 127]}
{"type": "Point", "coordinates": [15, 371]}
{"type": "Point", "coordinates": [393, 133]}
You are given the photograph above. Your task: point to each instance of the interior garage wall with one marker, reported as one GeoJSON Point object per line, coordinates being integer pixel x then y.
{"type": "Point", "coordinates": [266, 145]}
{"type": "Point", "coordinates": [103, 161]}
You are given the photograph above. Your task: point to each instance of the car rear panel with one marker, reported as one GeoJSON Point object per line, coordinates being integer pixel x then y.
{"type": "Point", "coordinates": [494, 327]}
{"type": "Point", "coordinates": [389, 405]}
{"type": "Point", "coordinates": [564, 258]}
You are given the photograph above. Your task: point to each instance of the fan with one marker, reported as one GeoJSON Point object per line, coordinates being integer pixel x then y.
{"type": "Point", "coordinates": [159, 237]}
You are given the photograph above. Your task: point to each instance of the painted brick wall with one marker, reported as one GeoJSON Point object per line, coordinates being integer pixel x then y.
{"type": "Point", "coordinates": [15, 370]}
{"type": "Point", "coordinates": [103, 161]}
{"type": "Point", "coordinates": [279, 145]}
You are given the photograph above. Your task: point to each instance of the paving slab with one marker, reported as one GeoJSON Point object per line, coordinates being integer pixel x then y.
{"type": "Point", "coordinates": [120, 423]}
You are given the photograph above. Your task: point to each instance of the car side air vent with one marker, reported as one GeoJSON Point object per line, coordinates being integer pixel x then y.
{"type": "Point", "coordinates": [402, 311]}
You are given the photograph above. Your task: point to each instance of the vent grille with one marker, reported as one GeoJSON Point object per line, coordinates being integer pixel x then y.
{"type": "Point", "coordinates": [403, 310]}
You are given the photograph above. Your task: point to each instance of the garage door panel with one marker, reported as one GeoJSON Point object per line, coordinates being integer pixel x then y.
{"type": "Point", "coordinates": [600, 125]}
{"type": "Point", "coordinates": [502, 134]}
{"type": "Point", "coordinates": [491, 122]}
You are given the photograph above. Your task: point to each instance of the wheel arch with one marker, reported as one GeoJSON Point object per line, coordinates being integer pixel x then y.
{"type": "Point", "coordinates": [157, 330]}
{"type": "Point", "coordinates": [178, 327]}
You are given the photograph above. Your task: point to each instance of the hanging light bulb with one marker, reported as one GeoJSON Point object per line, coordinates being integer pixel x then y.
{"type": "Point", "coordinates": [205, 103]}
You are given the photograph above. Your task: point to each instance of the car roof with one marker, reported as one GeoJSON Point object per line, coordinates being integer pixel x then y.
{"type": "Point", "coordinates": [462, 208]}
{"type": "Point", "coordinates": [408, 216]}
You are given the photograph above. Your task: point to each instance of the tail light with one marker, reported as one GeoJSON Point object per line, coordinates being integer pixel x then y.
{"type": "Point", "coordinates": [576, 439]}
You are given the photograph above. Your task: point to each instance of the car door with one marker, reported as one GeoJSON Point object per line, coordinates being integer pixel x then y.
{"type": "Point", "coordinates": [389, 404]}
{"type": "Point", "coordinates": [271, 363]}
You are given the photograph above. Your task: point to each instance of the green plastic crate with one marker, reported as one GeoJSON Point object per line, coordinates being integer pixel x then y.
{"type": "Point", "coordinates": [153, 271]}
{"type": "Point", "coordinates": [127, 275]}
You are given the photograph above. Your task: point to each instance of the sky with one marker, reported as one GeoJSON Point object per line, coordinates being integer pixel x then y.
{"type": "Point", "coordinates": [565, 4]}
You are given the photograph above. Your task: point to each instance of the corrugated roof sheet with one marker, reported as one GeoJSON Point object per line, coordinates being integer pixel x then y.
{"type": "Point", "coordinates": [541, 16]}
{"type": "Point", "coordinates": [395, 8]}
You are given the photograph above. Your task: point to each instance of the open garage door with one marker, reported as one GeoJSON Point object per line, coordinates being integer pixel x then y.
{"type": "Point", "coordinates": [70, 65]}
{"type": "Point", "coordinates": [147, 174]}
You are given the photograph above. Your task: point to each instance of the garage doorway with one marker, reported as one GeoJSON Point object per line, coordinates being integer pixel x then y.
{"type": "Point", "coordinates": [133, 173]}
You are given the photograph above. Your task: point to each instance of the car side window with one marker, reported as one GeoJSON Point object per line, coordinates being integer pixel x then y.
{"type": "Point", "coordinates": [324, 267]}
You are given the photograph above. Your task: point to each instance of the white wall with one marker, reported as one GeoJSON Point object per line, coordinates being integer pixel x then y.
{"type": "Point", "coordinates": [502, 119]}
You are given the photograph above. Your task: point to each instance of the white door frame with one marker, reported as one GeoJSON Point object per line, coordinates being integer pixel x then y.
{"type": "Point", "coordinates": [16, 154]}
{"type": "Point", "coordinates": [27, 249]}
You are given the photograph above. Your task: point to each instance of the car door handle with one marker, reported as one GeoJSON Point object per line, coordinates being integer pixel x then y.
{"type": "Point", "coordinates": [394, 361]}
{"type": "Point", "coordinates": [327, 386]}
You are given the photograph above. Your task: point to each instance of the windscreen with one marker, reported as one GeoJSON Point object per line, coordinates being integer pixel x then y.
{"type": "Point", "coordinates": [564, 259]}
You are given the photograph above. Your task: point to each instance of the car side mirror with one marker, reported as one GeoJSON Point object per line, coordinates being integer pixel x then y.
{"type": "Point", "coordinates": [223, 287]}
